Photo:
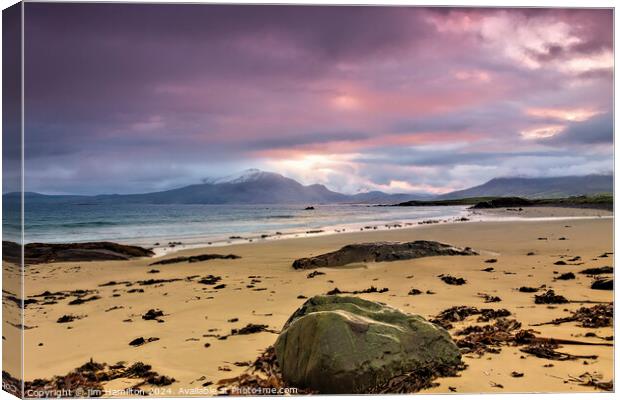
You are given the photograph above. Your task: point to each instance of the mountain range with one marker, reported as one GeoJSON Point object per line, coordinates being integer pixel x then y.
{"type": "Point", "coordinates": [250, 187]}
{"type": "Point", "coordinates": [261, 187]}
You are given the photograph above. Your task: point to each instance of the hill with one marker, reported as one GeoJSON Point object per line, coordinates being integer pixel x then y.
{"type": "Point", "coordinates": [537, 188]}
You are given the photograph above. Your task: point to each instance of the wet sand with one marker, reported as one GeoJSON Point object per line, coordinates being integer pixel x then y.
{"type": "Point", "coordinates": [545, 212]}
{"type": "Point", "coordinates": [262, 288]}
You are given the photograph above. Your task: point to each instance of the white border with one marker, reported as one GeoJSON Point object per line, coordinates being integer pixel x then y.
{"type": "Point", "coordinates": [479, 3]}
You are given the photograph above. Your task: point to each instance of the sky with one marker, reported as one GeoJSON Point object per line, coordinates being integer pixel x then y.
{"type": "Point", "coordinates": [129, 98]}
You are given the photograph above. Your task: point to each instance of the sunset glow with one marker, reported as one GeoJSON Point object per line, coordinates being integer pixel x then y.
{"type": "Point", "coordinates": [563, 114]}
{"type": "Point", "coordinates": [346, 102]}
{"type": "Point", "coordinates": [541, 133]}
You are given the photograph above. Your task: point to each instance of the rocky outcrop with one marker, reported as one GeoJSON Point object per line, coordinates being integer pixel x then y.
{"type": "Point", "coordinates": [381, 251]}
{"type": "Point", "coordinates": [503, 202]}
{"type": "Point", "coordinates": [36, 253]}
{"type": "Point", "coordinates": [341, 344]}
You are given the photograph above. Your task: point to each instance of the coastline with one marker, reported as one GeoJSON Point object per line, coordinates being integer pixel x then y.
{"type": "Point", "coordinates": [262, 288]}
{"type": "Point", "coordinates": [162, 244]}
{"type": "Point", "coordinates": [467, 216]}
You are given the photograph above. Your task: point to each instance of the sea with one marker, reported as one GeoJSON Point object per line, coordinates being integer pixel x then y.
{"type": "Point", "coordinates": [158, 225]}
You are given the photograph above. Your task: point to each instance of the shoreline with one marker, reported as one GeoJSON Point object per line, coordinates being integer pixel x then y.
{"type": "Point", "coordinates": [292, 222]}
{"type": "Point", "coordinates": [468, 215]}
{"type": "Point", "coordinates": [162, 245]}
{"type": "Point", "coordinates": [490, 215]}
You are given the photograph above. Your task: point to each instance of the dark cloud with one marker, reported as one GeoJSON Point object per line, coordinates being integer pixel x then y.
{"type": "Point", "coordinates": [489, 117]}
{"type": "Point", "coordinates": [596, 130]}
{"type": "Point", "coordinates": [304, 139]}
{"type": "Point", "coordinates": [11, 99]}
{"type": "Point", "coordinates": [427, 157]}
{"type": "Point", "coordinates": [124, 42]}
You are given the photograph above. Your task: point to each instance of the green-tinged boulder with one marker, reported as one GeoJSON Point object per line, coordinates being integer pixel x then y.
{"type": "Point", "coordinates": [342, 344]}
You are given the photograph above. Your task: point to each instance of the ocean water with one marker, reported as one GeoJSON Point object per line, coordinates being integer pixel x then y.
{"type": "Point", "coordinates": [145, 224]}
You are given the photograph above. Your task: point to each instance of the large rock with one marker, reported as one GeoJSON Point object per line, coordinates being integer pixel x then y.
{"type": "Point", "coordinates": [381, 251]}
{"type": "Point", "coordinates": [35, 253]}
{"type": "Point", "coordinates": [336, 344]}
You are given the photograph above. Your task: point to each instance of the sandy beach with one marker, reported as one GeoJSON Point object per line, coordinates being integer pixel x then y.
{"type": "Point", "coordinates": [261, 287]}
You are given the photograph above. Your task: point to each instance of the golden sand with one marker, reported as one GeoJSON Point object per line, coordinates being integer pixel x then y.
{"type": "Point", "coordinates": [193, 310]}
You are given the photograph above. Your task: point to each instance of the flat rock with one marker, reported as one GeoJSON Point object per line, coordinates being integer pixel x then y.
{"type": "Point", "coordinates": [381, 251]}
{"type": "Point", "coordinates": [597, 270]}
{"type": "Point", "coordinates": [603, 284]}
{"type": "Point", "coordinates": [36, 253]}
{"type": "Point", "coordinates": [342, 344]}
{"type": "Point", "coordinates": [198, 258]}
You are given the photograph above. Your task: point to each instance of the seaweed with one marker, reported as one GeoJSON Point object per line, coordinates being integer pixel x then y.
{"type": "Point", "coordinates": [149, 282]}
{"type": "Point", "coordinates": [451, 280]}
{"type": "Point", "coordinates": [549, 297]}
{"type": "Point", "coordinates": [548, 351]}
{"type": "Point", "coordinates": [598, 316]}
{"type": "Point", "coordinates": [88, 379]}
{"type": "Point", "coordinates": [593, 380]}
{"type": "Point", "coordinates": [414, 381]}
{"type": "Point", "coordinates": [460, 313]}
{"type": "Point", "coordinates": [263, 373]}
{"type": "Point", "coordinates": [371, 289]}
{"type": "Point", "coordinates": [487, 314]}
{"type": "Point", "coordinates": [487, 338]}
{"type": "Point", "coordinates": [67, 318]}
{"type": "Point", "coordinates": [489, 298]}
{"type": "Point", "coordinates": [210, 280]}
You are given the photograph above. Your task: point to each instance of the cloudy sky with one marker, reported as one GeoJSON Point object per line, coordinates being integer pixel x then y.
{"type": "Point", "coordinates": [134, 98]}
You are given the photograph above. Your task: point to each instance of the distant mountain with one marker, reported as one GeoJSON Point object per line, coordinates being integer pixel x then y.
{"type": "Point", "coordinates": [250, 187]}
{"type": "Point", "coordinates": [538, 188]}
{"type": "Point", "coordinates": [249, 175]}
